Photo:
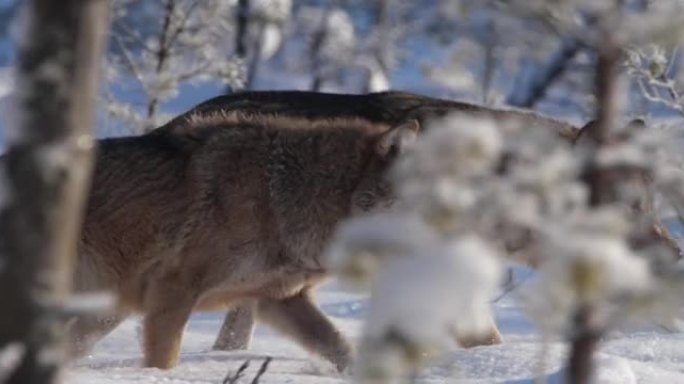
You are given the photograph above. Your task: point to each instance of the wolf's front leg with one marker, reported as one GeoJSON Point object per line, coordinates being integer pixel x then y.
{"type": "Point", "coordinates": [299, 317]}
{"type": "Point", "coordinates": [168, 305]}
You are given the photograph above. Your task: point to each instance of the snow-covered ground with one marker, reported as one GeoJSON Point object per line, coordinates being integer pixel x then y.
{"type": "Point", "coordinates": [625, 358]}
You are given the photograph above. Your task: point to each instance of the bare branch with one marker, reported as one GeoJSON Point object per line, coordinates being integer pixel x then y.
{"type": "Point", "coordinates": [232, 379]}
{"type": "Point", "coordinates": [125, 29]}
{"type": "Point", "coordinates": [162, 53]}
{"type": "Point", "coordinates": [182, 25]}
{"type": "Point", "coordinates": [262, 370]}
{"type": "Point", "coordinates": [538, 86]}
{"type": "Point", "coordinates": [130, 63]}
{"type": "Point", "coordinates": [587, 326]}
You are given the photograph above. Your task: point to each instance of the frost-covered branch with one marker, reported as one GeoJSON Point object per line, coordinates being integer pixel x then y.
{"type": "Point", "coordinates": [654, 71]}
{"type": "Point", "coordinates": [317, 41]}
{"type": "Point", "coordinates": [161, 55]}
{"type": "Point", "coordinates": [490, 187]}
{"type": "Point", "coordinates": [588, 325]}
{"type": "Point", "coordinates": [163, 45]}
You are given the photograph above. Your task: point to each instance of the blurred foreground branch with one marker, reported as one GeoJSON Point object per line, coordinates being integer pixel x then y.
{"type": "Point", "coordinates": [588, 327]}
{"type": "Point", "coordinates": [47, 168]}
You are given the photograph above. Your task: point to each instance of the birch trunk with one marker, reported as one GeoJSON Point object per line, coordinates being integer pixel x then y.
{"type": "Point", "coordinates": [46, 175]}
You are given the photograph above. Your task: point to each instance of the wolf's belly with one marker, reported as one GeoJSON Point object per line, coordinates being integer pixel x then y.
{"type": "Point", "coordinates": [280, 286]}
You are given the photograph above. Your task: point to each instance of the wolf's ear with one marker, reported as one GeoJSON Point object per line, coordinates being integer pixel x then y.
{"type": "Point", "coordinates": [583, 134]}
{"type": "Point", "coordinates": [397, 139]}
{"type": "Point", "coordinates": [636, 125]}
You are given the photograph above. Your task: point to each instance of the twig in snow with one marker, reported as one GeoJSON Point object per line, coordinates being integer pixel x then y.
{"type": "Point", "coordinates": [262, 370]}
{"type": "Point", "coordinates": [232, 379]}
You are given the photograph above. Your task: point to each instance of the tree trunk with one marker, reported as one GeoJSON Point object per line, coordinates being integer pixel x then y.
{"type": "Point", "coordinates": [47, 169]}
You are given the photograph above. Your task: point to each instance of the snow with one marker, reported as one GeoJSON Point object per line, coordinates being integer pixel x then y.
{"type": "Point", "coordinates": [271, 39]}
{"type": "Point", "coordinates": [449, 286]}
{"type": "Point", "coordinates": [361, 244]}
{"type": "Point", "coordinates": [456, 145]}
{"type": "Point", "coordinates": [591, 267]}
{"type": "Point", "coordinates": [378, 81]}
{"type": "Point", "coordinates": [644, 356]}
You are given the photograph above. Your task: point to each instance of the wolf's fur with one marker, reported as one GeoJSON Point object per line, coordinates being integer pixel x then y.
{"type": "Point", "coordinates": [385, 107]}
{"type": "Point", "coordinates": [160, 199]}
{"type": "Point", "coordinates": [242, 215]}
{"type": "Point", "coordinates": [390, 107]}
{"type": "Point", "coordinates": [319, 109]}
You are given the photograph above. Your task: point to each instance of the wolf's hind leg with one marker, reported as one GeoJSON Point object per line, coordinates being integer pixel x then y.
{"type": "Point", "coordinates": [85, 331]}
{"type": "Point", "coordinates": [237, 328]}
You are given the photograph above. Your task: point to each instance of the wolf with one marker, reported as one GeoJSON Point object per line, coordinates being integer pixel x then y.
{"type": "Point", "coordinates": [390, 107]}
{"type": "Point", "coordinates": [177, 221]}
{"type": "Point", "coordinates": [173, 228]}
